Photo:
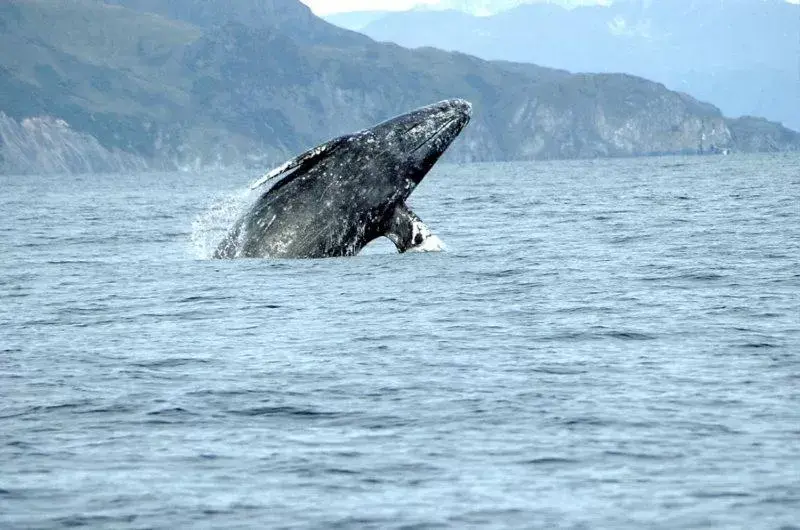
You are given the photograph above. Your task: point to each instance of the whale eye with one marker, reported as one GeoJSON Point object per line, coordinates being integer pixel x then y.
{"type": "Point", "coordinates": [418, 239]}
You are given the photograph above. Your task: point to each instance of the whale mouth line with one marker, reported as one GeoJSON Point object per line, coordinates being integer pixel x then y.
{"type": "Point", "coordinates": [435, 135]}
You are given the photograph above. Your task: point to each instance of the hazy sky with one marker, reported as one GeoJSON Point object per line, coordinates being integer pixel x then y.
{"type": "Point", "coordinates": [324, 7]}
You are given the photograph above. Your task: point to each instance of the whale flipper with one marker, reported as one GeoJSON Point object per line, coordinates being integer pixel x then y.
{"type": "Point", "coordinates": [409, 233]}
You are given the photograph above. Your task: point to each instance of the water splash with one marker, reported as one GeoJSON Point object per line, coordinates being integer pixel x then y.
{"type": "Point", "coordinates": [432, 243]}
{"type": "Point", "coordinates": [213, 224]}
{"type": "Point", "coordinates": [429, 241]}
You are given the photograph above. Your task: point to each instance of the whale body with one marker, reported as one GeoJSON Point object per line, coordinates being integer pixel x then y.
{"type": "Point", "coordinates": [336, 198]}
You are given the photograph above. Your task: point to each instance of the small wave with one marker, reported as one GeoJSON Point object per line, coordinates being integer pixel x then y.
{"type": "Point", "coordinates": [196, 314]}
{"type": "Point", "coordinates": [621, 240]}
{"type": "Point", "coordinates": [710, 429]}
{"type": "Point", "coordinates": [629, 335]}
{"type": "Point", "coordinates": [46, 409]}
{"type": "Point", "coordinates": [640, 456]}
{"type": "Point", "coordinates": [781, 499]}
{"type": "Point", "coordinates": [721, 494]}
{"type": "Point", "coordinates": [505, 273]}
{"type": "Point", "coordinates": [283, 411]}
{"type": "Point", "coordinates": [20, 444]}
{"type": "Point", "coordinates": [340, 471]}
{"type": "Point", "coordinates": [585, 421]}
{"type": "Point", "coordinates": [76, 262]}
{"type": "Point", "coordinates": [42, 323]}
{"type": "Point", "coordinates": [565, 336]}
{"type": "Point", "coordinates": [170, 415]}
{"type": "Point", "coordinates": [169, 411]}
{"type": "Point", "coordinates": [170, 363]}
{"type": "Point", "coordinates": [597, 335]}
{"type": "Point", "coordinates": [549, 460]}
{"type": "Point", "coordinates": [203, 298]}
{"type": "Point", "coordinates": [378, 300]}
{"type": "Point", "coordinates": [237, 392]}
{"type": "Point", "coordinates": [113, 409]}
{"type": "Point", "coordinates": [710, 276]}
{"type": "Point", "coordinates": [554, 370]}
{"type": "Point", "coordinates": [585, 309]}
{"type": "Point", "coordinates": [95, 520]}
{"type": "Point", "coordinates": [758, 345]}
{"type": "Point", "coordinates": [209, 456]}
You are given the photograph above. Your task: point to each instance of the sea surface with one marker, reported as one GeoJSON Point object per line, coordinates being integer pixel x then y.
{"type": "Point", "coordinates": [602, 344]}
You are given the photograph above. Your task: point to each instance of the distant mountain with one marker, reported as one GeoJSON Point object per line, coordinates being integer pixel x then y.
{"type": "Point", "coordinates": [741, 55]}
{"type": "Point", "coordinates": [355, 20]}
{"type": "Point", "coordinates": [483, 8]}
{"type": "Point", "coordinates": [480, 8]}
{"type": "Point", "coordinates": [131, 84]}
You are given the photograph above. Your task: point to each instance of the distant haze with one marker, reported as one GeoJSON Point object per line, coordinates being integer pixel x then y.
{"type": "Point", "coordinates": [476, 7]}
{"type": "Point", "coordinates": [327, 7]}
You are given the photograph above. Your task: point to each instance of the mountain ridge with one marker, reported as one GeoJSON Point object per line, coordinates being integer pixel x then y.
{"type": "Point", "coordinates": [252, 91]}
{"type": "Point", "coordinates": [740, 55]}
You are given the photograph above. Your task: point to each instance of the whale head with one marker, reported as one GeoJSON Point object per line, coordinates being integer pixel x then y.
{"type": "Point", "coordinates": [419, 138]}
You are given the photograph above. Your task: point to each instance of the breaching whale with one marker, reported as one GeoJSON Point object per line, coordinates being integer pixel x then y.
{"type": "Point", "coordinates": [334, 199]}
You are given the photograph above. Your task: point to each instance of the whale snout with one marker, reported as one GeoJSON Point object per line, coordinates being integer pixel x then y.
{"type": "Point", "coordinates": [457, 106]}
{"type": "Point", "coordinates": [419, 138]}
{"type": "Point", "coordinates": [463, 106]}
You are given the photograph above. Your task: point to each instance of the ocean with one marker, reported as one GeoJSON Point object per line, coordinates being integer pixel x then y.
{"type": "Point", "coordinates": [602, 344]}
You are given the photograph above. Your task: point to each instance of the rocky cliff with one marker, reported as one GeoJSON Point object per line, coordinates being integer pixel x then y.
{"type": "Point", "coordinates": [192, 83]}
{"type": "Point", "coordinates": [49, 145]}
{"type": "Point", "coordinates": [753, 134]}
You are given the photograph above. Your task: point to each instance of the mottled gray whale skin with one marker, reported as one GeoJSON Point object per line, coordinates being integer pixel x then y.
{"type": "Point", "coordinates": [334, 199]}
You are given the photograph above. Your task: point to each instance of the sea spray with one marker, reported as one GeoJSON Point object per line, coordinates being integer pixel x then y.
{"type": "Point", "coordinates": [211, 226]}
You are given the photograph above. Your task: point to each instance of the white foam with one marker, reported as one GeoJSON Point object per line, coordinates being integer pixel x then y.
{"type": "Point", "coordinates": [213, 224]}
{"type": "Point", "coordinates": [432, 243]}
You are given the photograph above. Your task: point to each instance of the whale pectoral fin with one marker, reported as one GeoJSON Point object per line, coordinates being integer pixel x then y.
{"type": "Point", "coordinates": [307, 159]}
{"type": "Point", "coordinates": [409, 233]}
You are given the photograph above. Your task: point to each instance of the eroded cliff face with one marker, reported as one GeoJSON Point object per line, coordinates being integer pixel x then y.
{"type": "Point", "coordinates": [752, 134]}
{"type": "Point", "coordinates": [43, 145]}
{"type": "Point", "coordinates": [538, 131]}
